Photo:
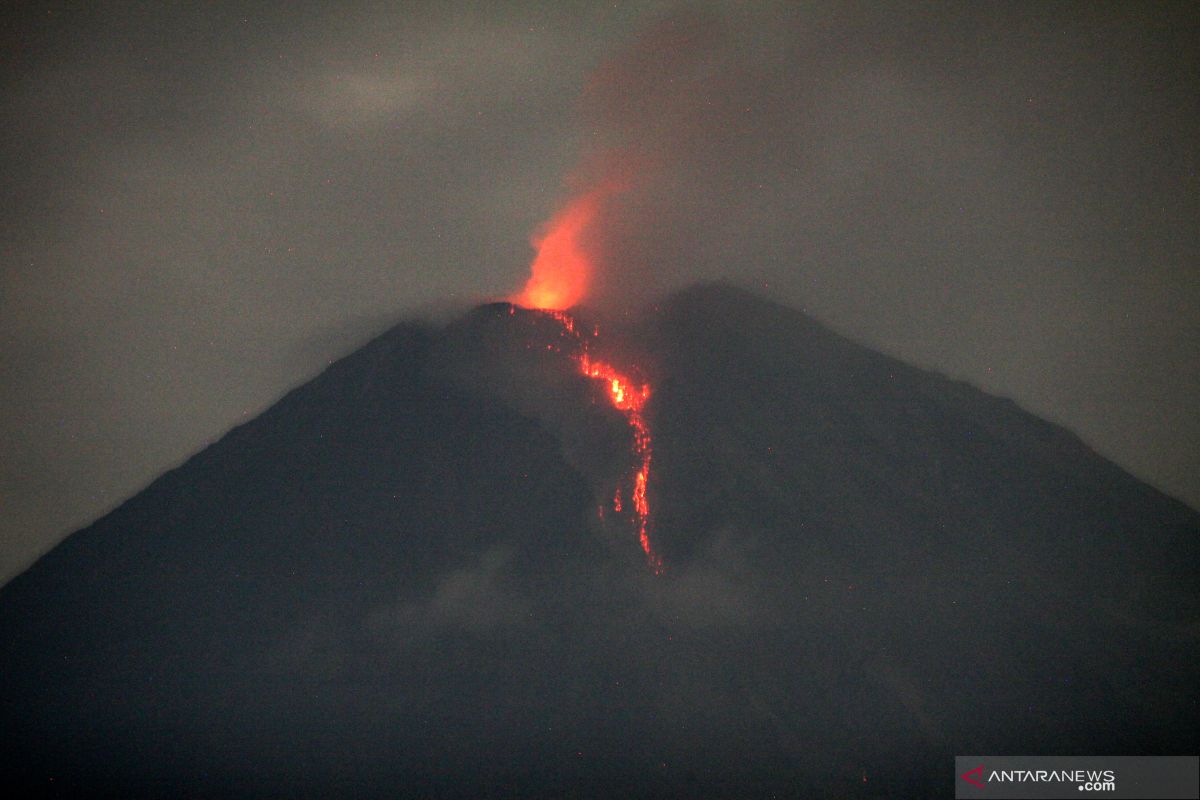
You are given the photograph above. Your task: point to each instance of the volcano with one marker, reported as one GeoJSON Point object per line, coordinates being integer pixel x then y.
{"type": "Point", "coordinates": [421, 574]}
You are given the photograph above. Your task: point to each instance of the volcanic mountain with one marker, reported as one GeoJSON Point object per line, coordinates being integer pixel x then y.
{"type": "Point", "coordinates": [410, 577]}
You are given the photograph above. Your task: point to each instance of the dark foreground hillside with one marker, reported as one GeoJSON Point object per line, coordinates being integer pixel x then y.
{"type": "Point", "coordinates": [396, 582]}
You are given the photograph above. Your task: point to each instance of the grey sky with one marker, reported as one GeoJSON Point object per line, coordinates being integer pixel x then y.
{"type": "Point", "coordinates": [203, 206]}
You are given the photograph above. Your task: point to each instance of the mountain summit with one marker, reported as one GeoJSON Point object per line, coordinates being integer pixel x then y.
{"type": "Point", "coordinates": [413, 576]}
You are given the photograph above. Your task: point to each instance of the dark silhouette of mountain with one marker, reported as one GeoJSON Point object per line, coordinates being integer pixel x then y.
{"type": "Point", "coordinates": [396, 582]}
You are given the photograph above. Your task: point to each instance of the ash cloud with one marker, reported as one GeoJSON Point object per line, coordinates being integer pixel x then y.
{"type": "Point", "coordinates": [997, 193]}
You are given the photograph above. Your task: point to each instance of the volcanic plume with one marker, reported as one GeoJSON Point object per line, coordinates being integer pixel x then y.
{"type": "Point", "coordinates": [562, 271]}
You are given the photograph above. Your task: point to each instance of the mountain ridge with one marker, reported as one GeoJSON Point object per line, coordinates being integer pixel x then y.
{"type": "Point", "coordinates": [396, 581]}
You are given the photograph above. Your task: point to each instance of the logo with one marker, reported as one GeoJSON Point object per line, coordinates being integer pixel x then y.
{"type": "Point", "coordinates": [1076, 777]}
{"type": "Point", "coordinates": [977, 772]}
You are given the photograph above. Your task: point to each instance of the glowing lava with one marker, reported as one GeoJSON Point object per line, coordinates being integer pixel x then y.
{"type": "Point", "coordinates": [630, 399]}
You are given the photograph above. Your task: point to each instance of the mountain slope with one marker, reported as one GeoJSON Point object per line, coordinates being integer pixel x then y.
{"type": "Point", "coordinates": [395, 581]}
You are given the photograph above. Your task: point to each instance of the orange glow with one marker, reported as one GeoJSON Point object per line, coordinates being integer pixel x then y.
{"type": "Point", "coordinates": [630, 399]}
{"type": "Point", "coordinates": [562, 270]}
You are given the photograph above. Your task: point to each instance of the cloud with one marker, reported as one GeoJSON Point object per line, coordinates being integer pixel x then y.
{"type": "Point", "coordinates": [356, 98]}
{"type": "Point", "coordinates": [712, 588]}
{"type": "Point", "coordinates": [474, 600]}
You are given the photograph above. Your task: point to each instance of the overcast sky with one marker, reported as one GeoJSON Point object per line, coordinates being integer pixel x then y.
{"type": "Point", "coordinates": [203, 205]}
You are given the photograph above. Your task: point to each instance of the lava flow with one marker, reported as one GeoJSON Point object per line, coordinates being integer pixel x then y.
{"type": "Point", "coordinates": [630, 399]}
